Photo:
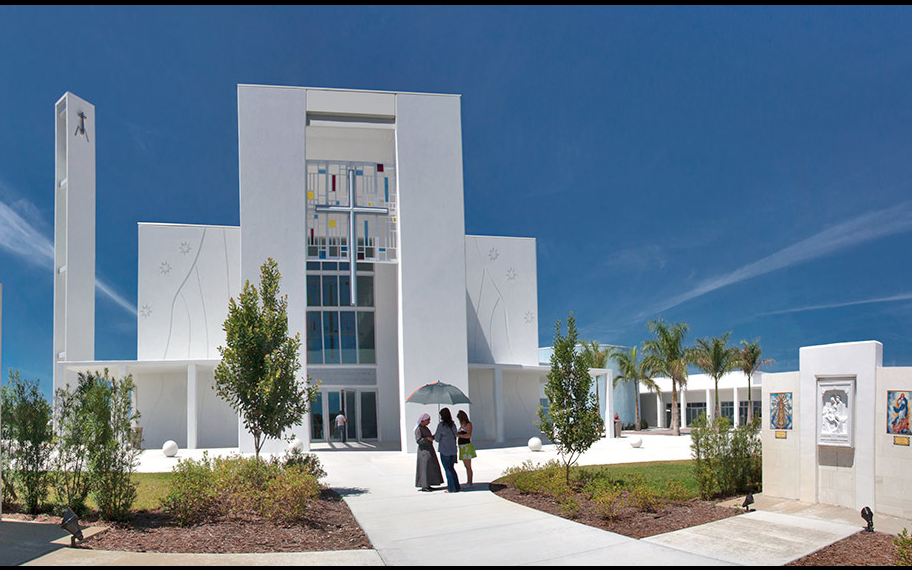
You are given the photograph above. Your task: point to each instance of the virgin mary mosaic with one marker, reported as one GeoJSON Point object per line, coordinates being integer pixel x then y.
{"type": "Point", "coordinates": [781, 410]}
{"type": "Point", "coordinates": [898, 413]}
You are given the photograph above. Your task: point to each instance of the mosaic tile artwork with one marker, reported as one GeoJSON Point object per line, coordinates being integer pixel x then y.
{"type": "Point", "coordinates": [327, 233]}
{"type": "Point", "coordinates": [898, 412]}
{"type": "Point", "coordinates": [781, 410]}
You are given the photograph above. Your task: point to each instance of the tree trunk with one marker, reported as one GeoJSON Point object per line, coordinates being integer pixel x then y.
{"type": "Point", "coordinates": [675, 428]}
{"type": "Point", "coordinates": [636, 403]}
{"type": "Point", "coordinates": [717, 411]}
{"type": "Point", "coordinates": [750, 403]}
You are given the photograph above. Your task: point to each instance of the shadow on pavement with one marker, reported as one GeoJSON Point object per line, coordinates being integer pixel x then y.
{"type": "Point", "coordinates": [21, 542]}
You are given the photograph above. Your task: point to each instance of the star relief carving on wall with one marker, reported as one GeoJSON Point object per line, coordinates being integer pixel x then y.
{"type": "Point", "coordinates": [529, 318]}
{"type": "Point", "coordinates": [511, 275]}
{"type": "Point", "coordinates": [164, 268]}
{"type": "Point", "coordinates": [493, 254]}
{"type": "Point", "coordinates": [145, 311]}
{"type": "Point", "coordinates": [185, 247]}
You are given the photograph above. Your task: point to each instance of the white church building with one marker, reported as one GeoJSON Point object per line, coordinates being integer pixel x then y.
{"type": "Point", "coordinates": [358, 195]}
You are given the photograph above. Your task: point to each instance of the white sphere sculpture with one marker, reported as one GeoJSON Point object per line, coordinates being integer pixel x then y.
{"type": "Point", "coordinates": [296, 445]}
{"type": "Point", "coordinates": [636, 441]}
{"type": "Point", "coordinates": [170, 448]}
{"type": "Point", "coordinates": [535, 444]}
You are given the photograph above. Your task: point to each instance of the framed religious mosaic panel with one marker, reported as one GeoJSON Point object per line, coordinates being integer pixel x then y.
{"type": "Point", "coordinates": [898, 412]}
{"type": "Point", "coordinates": [781, 410]}
{"type": "Point", "coordinates": [835, 411]}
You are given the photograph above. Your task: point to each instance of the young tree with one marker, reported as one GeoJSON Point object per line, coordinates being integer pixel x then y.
{"type": "Point", "coordinates": [257, 374]}
{"type": "Point", "coordinates": [667, 356]}
{"type": "Point", "coordinates": [715, 358]}
{"type": "Point", "coordinates": [572, 422]}
{"type": "Point", "coordinates": [629, 370]}
{"type": "Point", "coordinates": [749, 362]}
{"type": "Point", "coordinates": [27, 429]}
{"type": "Point", "coordinates": [111, 457]}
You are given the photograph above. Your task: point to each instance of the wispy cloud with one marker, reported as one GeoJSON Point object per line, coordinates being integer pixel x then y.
{"type": "Point", "coordinates": [893, 298]}
{"type": "Point", "coordinates": [856, 231]}
{"type": "Point", "coordinates": [20, 236]}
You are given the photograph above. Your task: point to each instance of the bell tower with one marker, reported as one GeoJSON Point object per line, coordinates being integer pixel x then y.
{"type": "Point", "coordinates": [74, 233]}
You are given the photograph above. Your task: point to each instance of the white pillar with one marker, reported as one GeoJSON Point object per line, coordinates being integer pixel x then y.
{"type": "Point", "coordinates": [710, 404]}
{"type": "Point", "coordinates": [191, 406]}
{"type": "Point", "coordinates": [737, 404]}
{"type": "Point", "coordinates": [682, 401]}
{"type": "Point", "coordinates": [609, 406]}
{"type": "Point", "coordinates": [660, 411]}
{"type": "Point", "coordinates": [498, 405]}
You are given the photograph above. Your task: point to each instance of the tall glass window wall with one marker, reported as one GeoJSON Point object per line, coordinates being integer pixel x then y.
{"type": "Point", "coordinates": [338, 333]}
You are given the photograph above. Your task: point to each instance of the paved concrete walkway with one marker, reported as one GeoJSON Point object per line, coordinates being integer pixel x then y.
{"type": "Point", "coordinates": [409, 527]}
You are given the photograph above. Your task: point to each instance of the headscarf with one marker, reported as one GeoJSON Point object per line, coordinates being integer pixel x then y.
{"type": "Point", "coordinates": [422, 418]}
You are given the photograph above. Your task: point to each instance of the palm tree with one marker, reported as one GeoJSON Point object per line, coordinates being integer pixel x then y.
{"type": "Point", "coordinates": [750, 362]}
{"type": "Point", "coordinates": [631, 371]}
{"type": "Point", "coordinates": [668, 356]}
{"type": "Point", "coordinates": [715, 358]}
{"type": "Point", "coordinates": [597, 358]}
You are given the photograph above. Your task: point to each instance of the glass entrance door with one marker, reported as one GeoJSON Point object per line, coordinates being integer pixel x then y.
{"type": "Point", "coordinates": [359, 407]}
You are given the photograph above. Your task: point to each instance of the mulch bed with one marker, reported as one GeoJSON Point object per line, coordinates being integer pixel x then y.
{"type": "Point", "coordinates": [629, 522]}
{"type": "Point", "coordinates": [860, 549]}
{"type": "Point", "coordinates": [330, 526]}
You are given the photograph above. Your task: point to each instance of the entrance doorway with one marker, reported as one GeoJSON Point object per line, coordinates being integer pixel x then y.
{"type": "Point", "coordinates": [360, 410]}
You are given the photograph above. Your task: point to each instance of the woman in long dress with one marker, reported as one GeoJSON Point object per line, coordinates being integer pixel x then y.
{"type": "Point", "coordinates": [427, 472]}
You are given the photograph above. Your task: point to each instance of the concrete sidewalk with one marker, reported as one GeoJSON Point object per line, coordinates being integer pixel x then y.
{"type": "Point", "coordinates": [409, 527]}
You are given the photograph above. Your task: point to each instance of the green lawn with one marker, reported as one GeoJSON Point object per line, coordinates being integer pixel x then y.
{"type": "Point", "coordinates": [658, 474]}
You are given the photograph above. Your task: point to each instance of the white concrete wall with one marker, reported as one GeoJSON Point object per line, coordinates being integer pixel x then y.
{"type": "Point", "coordinates": [520, 393]}
{"type": "Point", "coordinates": [271, 160]}
{"type": "Point", "coordinates": [502, 300]}
{"type": "Point", "coordinates": [481, 392]}
{"type": "Point", "coordinates": [838, 475]}
{"type": "Point", "coordinates": [432, 275]}
{"type": "Point", "coordinates": [161, 398]}
{"type": "Point", "coordinates": [74, 234]}
{"type": "Point", "coordinates": [893, 463]}
{"type": "Point", "coordinates": [781, 456]}
{"type": "Point", "coordinates": [386, 320]}
{"type": "Point", "coordinates": [187, 274]}
{"type": "Point", "coordinates": [216, 421]}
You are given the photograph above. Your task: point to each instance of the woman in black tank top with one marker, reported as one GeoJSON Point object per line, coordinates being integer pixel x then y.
{"type": "Point", "coordinates": [464, 442]}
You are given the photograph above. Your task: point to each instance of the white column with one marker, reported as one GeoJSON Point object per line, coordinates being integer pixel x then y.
{"type": "Point", "coordinates": [682, 401]}
{"type": "Point", "coordinates": [737, 404]}
{"type": "Point", "coordinates": [498, 405]}
{"type": "Point", "coordinates": [660, 411]}
{"type": "Point", "coordinates": [191, 406]}
{"type": "Point", "coordinates": [609, 406]}
{"type": "Point", "coordinates": [710, 404]}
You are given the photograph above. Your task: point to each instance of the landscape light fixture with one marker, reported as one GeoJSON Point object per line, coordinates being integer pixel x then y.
{"type": "Point", "coordinates": [748, 501]}
{"type": "Point", "coordinates": [71, 525]}
{"type": "Point", "coordinates": [868, 515]}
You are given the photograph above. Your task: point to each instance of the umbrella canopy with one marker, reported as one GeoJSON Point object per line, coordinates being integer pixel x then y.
{"type": "Point", "coordinates": [438, 393]}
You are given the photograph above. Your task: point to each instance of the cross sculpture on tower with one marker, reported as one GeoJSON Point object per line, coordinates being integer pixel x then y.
{"type": "Point", "coordinates": [351, 210]}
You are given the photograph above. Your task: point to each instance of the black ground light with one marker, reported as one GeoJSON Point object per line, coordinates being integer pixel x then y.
{"type": "Point", "coordinates": [748, 501]}
{"type": "Point", "coordinates": [868, 515]}
{"type": "Point", "coordinates": [71, 525]}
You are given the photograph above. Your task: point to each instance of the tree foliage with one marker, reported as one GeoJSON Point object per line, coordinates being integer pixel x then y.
{"type": "Point", "coordinates": [26, 429]}
{"type": "Point", "coordinates": [572, 421]}
{"type": "Point", "coordinates": [714, 357]}
{"type": "Point", "coordinates": [749, 361]}
{"type": "Point", "coordinates": [629, 370]}
{"type": "Point", "coordinates": [258, 372]}
{"type": "Point", "coordinates": [668, 356]}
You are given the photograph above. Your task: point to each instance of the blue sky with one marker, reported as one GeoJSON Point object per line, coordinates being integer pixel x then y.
{"type": "Point", "coordinates": [737, 169]}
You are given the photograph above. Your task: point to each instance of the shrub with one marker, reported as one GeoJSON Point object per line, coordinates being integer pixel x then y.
{"type": "Point", "coordinates": [608, 502]}
{"type": "Point", "coordinates": [726, 462]}
{"type": "Point", "coordinates": [902, 549]}
{"type": "Point", "coordinates": [72, 479]}
{"type": "Point", "coordinates": [308, 461]}
{"type": "Point", "coordinates": [27, 428]}
{"type": "Point", "coordinates": [644, 499]}
{"type": "Point", "coordinates": [192, 494]}
{"type": "Point", "coordinates": [289, 493]}
{"type": "Point", "coordinates": [110, 454]}
{"type": "Point", "coordinates": [676, 491]}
